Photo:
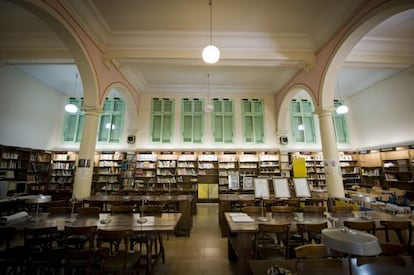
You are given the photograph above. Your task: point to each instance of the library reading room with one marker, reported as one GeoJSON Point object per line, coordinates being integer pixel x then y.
{"type": "Point", "coordinates": [225, 137]}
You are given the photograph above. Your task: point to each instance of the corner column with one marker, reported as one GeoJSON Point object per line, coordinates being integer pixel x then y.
{"type": "Point", "coordinates": [332, 167]}
{"type": "Point", "coordinates": [84, 170]}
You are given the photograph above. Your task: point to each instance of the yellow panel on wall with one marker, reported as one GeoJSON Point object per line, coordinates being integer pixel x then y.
{"type": "Point", "coordinates": [213, 191]}
{"type": "Point", "coordinates": [299, 168]}
{"type": "Point", "coordinates": [203, 191]}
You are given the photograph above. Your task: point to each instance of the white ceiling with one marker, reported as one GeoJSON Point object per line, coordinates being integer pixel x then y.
{"type": "Point", "coordinates": [157, 44]}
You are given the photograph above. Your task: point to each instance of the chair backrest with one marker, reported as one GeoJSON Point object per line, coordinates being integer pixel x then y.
{"type": "Point", "coordinates": [368, 226]}
{"type": "Point", "coordinates": [282, 209]}
{"type": "Point", "coordinates": [7, 235]}
{"type": "Point", "coordinates": [57, 203]}
{"type": "Point", "coordinates": [85, 234]}
{"type": "Point", "coordinates": [312, 231]}
{"type": "Point", "coordinates": [59, 210]}
{"type": "Point", "coordinates": [342, 209]}
{"type": "Point", "coordinates": [39, 237]}
{"type": "Point", "coordinates": [313, 209]}
{"type": "Point", "coordinates": [392, 249]}
{"type": "Point", "coordinates": [151, 210]}
{"type": "Point", "coordinates": [314, 201]}
{"type": "Point", "coordinates": [114, 238]}
{"type": "Point", "coordinates": [122, 209]}
{"type": "Point", "coordinates": [282, 231]}
{"type": "Point", "coordinates": [252, 210]}
{"type": "Point", "coordinates": [89, 211]}
{"type": "Point", "coordinates": [315, 251]}
{"type": "Point", "coordinates": [399, 227]}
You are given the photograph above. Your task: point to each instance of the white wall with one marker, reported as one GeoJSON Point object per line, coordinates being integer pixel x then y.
{"type": "Point", "coordinates": [31, 115]}
{"type": "Point", "coordinates": [30, 111]}
{"type": "Point", "coordinates": [383, 114]}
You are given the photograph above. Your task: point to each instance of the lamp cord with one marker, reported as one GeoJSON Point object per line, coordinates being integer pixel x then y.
{"type": "Point", "coordinates": [211, 22]}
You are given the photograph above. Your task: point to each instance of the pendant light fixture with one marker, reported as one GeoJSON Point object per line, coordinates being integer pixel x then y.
{"type": "Point", "coordinates": [72, 108]}
{"type": "Point", "coordinates": [211, 53]}
{"type": "Point", "coordinates": [342, 109]}
{"type": "Point", "coordinates": [209, 106]}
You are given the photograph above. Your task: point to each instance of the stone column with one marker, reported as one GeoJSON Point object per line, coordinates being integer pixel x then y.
{"type": "Point", "coordinates": [84, 170]}
{"type": "Point", "coordinates": [332, 167]}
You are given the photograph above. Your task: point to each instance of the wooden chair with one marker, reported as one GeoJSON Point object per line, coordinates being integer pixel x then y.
{"type": "Point", "coordinates": [57, 203]}
{"type": "Point", "coordinates": [403, 230]}
{"type": "Point", "coordinates": [342, 209]}
{"type": "Point", "coordinates": [79, 257]}
{"type": "Point", "coordinates": [10, 257]}
{"type": "Point", "coordinates": [314, 201]}
{"type": "Point", "coordinates": [41, 252]}
{"type": "Point", "coordinates": [311, 232]}
{"type": "Point", "coordinates": [253, 210]}
{"type": "Point", "coordinates": [58, 210]}
{"type": "Point", "coordinates": [295, 203]}
{"type": "Point", "coordinates": [116, 257]}
{"type": "Point", "coordinates": [122, 209]}
{"type": "Point", "coordinates": [89, 211]}
{"type": "Point", "coordinates": [392, 249]}
{"type": "Point", "coordinates": [268, 203]}
{"type": "Point", "coordinates": [367, 226]}
{"type": "Point", "coordinates": [278, 247]}
{"type": "Point", "coordinates": [151, 244]}
{"type": "Point", "coordinates": [313, 211]}
{"type": "Point", "coordinates": [315, 251]}
{"type": "Point", "coordinates": [283, 212]}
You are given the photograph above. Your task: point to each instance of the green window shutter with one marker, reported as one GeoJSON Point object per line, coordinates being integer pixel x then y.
{"type": "Point", "coordinates": [192, 120]}
{"type": "Point", "coordinates": [162, 113]}
{"type": "Point", "coordinates": [252, 120]}
{"type": "Point", "coordinates": [223, 121]}
{"type": "Point", "coordinates": [301, 114]}
{"type": "Point", "coordinates": [341, 129]}
{"type": "Point", "coordinates": [73, 123]}
{"type": "Point", "coordinates": [111, 120]}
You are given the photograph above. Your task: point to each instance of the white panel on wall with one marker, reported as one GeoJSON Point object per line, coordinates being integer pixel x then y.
{"type": "Point", "coordinates": [383, 114]}
{"type": "Point", "coordinates": [31, 112]}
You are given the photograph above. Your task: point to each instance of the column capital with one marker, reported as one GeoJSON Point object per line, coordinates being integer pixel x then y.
{"type": "Point", "coordinates": [92, 110]}
{"type": "Point", "coordinates": [324, 111]}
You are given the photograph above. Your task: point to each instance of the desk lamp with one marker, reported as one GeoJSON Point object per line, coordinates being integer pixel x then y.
{"type": "Point", "coordinates": [38, 199]}
{"type": "Point", "coordinates": [364, 198]}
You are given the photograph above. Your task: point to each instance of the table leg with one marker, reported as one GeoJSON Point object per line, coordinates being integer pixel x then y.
{"type": "Point", "coordinates": [244, 252]}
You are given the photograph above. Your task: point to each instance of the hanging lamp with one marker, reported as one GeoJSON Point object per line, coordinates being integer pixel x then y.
{"type": "Point", "coordinates": [209, 107]}
{"type": "Point", "coordinates": [341, 109]}
{"type": "Point", "coordinates": [70, 107]}
{"type": "Point", "coordinates": [211, 53]}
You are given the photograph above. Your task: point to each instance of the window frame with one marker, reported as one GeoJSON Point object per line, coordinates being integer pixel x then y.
{"type": "Point", "coordinates": [223, 115]}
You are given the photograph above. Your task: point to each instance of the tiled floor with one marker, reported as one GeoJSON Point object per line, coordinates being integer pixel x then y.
{"type": "Point", "coordinates": [204, 252]}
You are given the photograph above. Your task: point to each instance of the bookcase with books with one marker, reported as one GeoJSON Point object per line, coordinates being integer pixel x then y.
{"type": "Point", "coordinates": [207, 176]}
{"type": "Point", "coordinates": [14, 163]}
{"type": "Point", "coordinates": [285, 165]}
{"type": "Point", "coordinates": [314, 168]}
{"type": "Point", "coordinates": [128, 171]}
{"type": "Point", "coordinates": [63, 170]}
{"type": "Point", "coordinates": [166, 170]}
{"type": "Point", "coordinates": [38, 174]}
{"type": "Point", "coordinates": [227, 166]}
{"type": "Point", "coordinates": [187, 176]}
{"type": "Point", "coordinates": [269, 165]}
{"type": "Point", "coordinates": [397, 168]}
{"type": "Point", "coordinates": [371, 169]}
{"type": "Point", "coordinates": [145, 169]}
{"type": "Point", "coordinates": [349, 169]}
{"type": "Point", "coordinates": [107, 170]}
{"type": "Point", "coordinates": [248, 164]}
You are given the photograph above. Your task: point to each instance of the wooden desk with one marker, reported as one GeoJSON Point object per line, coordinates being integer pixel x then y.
{"type": "Point", "coordinates": [225, 201]}
{"type": "Point", "coordinates": [184, 201]}
{"type": "Point", "coordinates": [402, 265]}
{"type": "Point", "coordinates": [241, 233]}
{"type": "Point", "coordinates": [167, 222]}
